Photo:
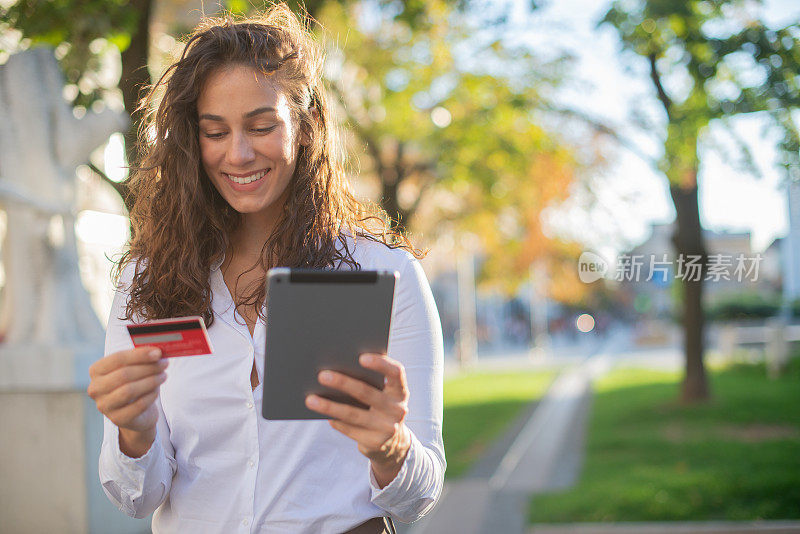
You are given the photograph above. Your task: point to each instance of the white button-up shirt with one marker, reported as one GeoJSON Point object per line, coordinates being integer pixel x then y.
{"type": "Point", "coordinates": [217, 466]}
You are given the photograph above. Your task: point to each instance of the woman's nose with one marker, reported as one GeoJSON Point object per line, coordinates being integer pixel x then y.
{"type": "Point", "coordinates": [240, 150]}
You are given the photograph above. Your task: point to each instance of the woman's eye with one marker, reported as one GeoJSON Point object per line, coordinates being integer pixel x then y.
{"type": "Point", "coordinates": [219, 135]}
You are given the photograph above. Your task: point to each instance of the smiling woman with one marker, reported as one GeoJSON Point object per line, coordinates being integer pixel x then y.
{"type": "Point", "coordinates": [241, 171]}
{"type": "Point", "coordinates": [242, 142]}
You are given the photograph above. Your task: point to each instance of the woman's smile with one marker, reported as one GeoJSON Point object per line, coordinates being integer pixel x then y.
{"type": "Point", "coordinates": [241, 182]}
{"type": "Point", "coordinates": [245, 121]}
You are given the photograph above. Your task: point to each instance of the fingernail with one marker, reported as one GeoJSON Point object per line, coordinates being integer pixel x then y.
{"type": "Point", "coordinates": [162, 377]}
{"type": "Point", "coordinates": [325, 376]}
{"type": "Point", "coordinates": [366, 358]}
{"type": "Point", "coordinates": [155, 354]}
{"type": "Point", "coordinates": [163, 363]}
{"type": "Point", "coordinates": [313, 402]}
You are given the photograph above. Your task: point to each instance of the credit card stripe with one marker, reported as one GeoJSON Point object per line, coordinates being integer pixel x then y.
{"type": "Point", "coordinates": [157, 338]}
{"type": "Point", "coordinates": [166, 327]}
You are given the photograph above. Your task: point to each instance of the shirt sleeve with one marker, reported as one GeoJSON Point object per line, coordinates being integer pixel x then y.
{"type": "Point", "coordinates": [137, 486]}
{"type": "Point", "coordinates": [415, 340]}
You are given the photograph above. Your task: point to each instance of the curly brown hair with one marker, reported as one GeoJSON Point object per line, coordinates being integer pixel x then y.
{"type": "Point", "coordinates": [180, 223]}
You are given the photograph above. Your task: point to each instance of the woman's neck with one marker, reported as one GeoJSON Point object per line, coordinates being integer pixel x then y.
{"type": "Point", "coordinates": [248, 240]}
{"type": "Point", "coordinates": [249, 246]}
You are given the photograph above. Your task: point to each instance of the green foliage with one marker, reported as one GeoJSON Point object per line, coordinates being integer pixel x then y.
{"type": "Point", "coordinates": [238, 6]}
{"type": "Point", "coordinates": [731, 63]}
{"type": "Point", "coordinates": [651, 459]}
{"type": "Point", "coordinates": [479, 407]}
{"type": "Point", "coordinates": [744, 306]}
{"type": "Point", "coordinates": [82, 31]}
{"type": "Point", "coordinates": [430, 118]}
{"type": "Point", "coordinates": [722, 61]}
{"type": "Point", "coordinates": [413, 13]}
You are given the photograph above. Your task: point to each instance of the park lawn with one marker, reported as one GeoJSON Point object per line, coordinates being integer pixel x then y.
{"type": "Point", "coordinates": [479, 407]}
{"type": "Point", "coordinates": [651, 459]}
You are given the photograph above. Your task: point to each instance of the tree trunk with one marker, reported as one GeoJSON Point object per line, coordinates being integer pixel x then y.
{"type": "Point", "coordinates": [688, 240]}
{"type": "Point", "coordinates": [135, 77]}
{"type": "Point", "coordinates": [391, 205]}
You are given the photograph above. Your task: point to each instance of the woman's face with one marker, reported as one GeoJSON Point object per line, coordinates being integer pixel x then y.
{"type": "Point", "coordinates": [248, 142]}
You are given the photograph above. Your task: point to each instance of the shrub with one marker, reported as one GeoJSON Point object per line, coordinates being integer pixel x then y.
{"type": "Point", "coordinates": [744, 306]}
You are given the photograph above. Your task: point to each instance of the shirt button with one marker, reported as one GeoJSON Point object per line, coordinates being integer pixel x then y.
{"type": "Point", "coordinates": [251, 463]}
{"type": "Point", "coordinates": [250, 405]}
{"type": "Point", "coordinates": [244, 522]}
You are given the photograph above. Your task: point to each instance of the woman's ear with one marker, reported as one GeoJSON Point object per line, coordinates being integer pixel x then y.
{"type": "Point", "coordinates": [306, 133]}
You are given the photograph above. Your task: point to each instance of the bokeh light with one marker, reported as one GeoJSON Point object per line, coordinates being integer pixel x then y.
{"type": "Point", "coordinates": [585, 322]}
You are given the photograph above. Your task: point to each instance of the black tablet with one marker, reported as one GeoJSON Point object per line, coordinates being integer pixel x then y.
{"type": "Point", "coordinates": [321, 319]}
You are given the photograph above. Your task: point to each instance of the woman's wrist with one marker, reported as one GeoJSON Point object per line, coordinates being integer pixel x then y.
{"type": "Point", "coordinates": [387, 468]}
{"type": "Point", "coordinates": [134, 443]}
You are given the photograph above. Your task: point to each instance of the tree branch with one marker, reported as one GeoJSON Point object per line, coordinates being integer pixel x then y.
{"type": "Point", "coordinates": [662, 94]}
{"type": "Point", "coordinates": [420, 194]}
{"type": "Point", "coordinates": [599, 126]}
{"type": "Point", "coordinates": [400, 165]}
{"type": "Point", "coordinates": [372, 147]}
{"type": "Point", "coordinates": [420, 168]}
{"type": "Point", "coordinates": [121, 188]}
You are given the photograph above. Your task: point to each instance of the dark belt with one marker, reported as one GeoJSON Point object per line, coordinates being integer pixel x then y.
{"type": "Point", "coordinates": [376, 525]}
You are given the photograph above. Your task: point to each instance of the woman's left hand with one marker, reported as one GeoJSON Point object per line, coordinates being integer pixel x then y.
{"type": "Point", "coordinates": [380, 431]}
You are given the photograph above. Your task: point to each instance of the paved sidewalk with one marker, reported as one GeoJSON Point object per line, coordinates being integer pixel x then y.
{"type": "Point", "coordinates": [542, 453]}
{"type": "Point", "coordinates": [699, 527]}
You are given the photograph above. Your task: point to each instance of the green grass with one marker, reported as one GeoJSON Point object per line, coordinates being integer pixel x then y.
{"type": "Point", "coordinates": [479, 407]}
{"type": "Point", "coordinates": [651, 459]}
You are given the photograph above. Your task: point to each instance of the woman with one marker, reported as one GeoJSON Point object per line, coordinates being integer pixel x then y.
{"type": "Point", "coordinates": [241, 173]}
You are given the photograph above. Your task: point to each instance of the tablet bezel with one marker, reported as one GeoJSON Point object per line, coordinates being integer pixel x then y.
{"type": "Point", "coordinates": [321, 319]}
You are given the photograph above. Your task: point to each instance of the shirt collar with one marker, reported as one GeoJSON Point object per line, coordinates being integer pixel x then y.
{"type": "Point", "coordinates": [216, 265]}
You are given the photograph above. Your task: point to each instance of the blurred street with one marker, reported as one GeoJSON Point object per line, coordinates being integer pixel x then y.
{"type": "Point", "coordinates": [543, 449]}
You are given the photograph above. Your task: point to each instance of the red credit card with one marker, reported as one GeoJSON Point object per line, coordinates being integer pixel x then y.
{"type": "Point", "coordinates": [178, 336]}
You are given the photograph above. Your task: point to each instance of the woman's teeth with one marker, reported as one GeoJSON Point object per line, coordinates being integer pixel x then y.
{"type": "Point", "coordinates": [247, 179]}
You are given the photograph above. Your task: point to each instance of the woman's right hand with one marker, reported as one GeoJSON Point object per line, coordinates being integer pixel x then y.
{"type": "Point", "coordinates": [125, 385]}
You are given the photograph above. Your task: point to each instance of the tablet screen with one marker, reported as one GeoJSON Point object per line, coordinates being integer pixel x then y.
{"type": "Point", "coordinates": [321, 319]}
